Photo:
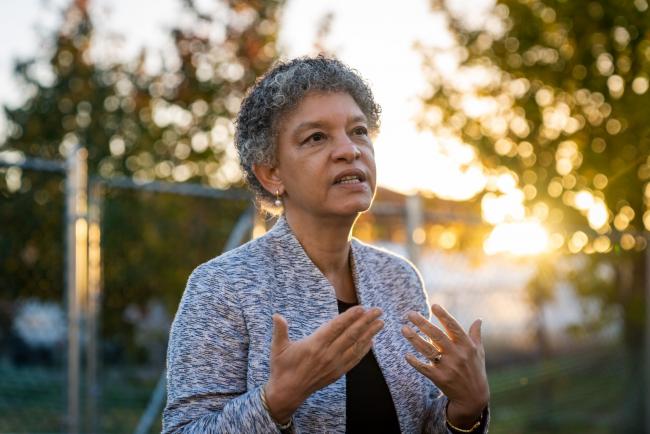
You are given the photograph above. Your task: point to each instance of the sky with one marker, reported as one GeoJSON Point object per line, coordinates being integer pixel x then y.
{"type": "Point", "coordinates": [375, 37]}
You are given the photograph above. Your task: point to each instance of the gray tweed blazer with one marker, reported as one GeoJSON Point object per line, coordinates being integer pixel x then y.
{"type": "Point", "coordinates": [220, 340]}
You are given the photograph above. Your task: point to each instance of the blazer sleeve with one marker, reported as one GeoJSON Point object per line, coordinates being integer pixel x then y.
{"type": "Point", "coordinates": [435, 416]}
{"type": "Point", "coordinates": [207, 361]}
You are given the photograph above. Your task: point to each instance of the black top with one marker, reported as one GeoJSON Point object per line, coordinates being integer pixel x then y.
{"type": "Point", "coordinates": [369, 405]}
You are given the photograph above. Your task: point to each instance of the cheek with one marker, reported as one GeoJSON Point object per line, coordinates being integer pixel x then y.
{"type": "Point", "coordinates": [371, 163]}
{"type": "Point", "coordinates": [306, 179]}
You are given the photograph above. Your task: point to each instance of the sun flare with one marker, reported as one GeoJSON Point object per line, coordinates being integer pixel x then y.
{"type": "Point", "coordinates": [524, 238]}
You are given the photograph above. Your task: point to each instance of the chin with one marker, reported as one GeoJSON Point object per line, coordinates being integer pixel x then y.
{"type": "Point", "coordinates": [355, 208]}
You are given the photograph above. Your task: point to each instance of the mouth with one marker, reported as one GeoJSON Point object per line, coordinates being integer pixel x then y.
{"type": "Point", "coordinates": [349, 180]}
{"type": "Point", "coordinates": [353, 177]}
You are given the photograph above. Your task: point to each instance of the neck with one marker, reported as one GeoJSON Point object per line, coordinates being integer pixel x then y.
{"type": "Point", "coordinates": [325, 240]}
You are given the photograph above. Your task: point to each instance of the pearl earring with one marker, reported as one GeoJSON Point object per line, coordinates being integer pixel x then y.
{"type": "Point", "coordinates": [277, 202]}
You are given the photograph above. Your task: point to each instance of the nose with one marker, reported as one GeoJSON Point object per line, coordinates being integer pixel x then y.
{"type": "Point", "coordinates": [346, 150]}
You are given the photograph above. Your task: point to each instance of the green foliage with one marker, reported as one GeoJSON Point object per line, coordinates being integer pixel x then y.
{"type": "Point", "coordinates": [556, 91]}
{"type": "Point", "coordinates": [558, 96]}
{"type": "Point", "coordinates": [172, 125]}
{"type": "Point", "coordinates": [30, 224]}
{"type": "Point", "coordinates": [160, 240]}
{"type": "Point", "coordinates": [568, 88]}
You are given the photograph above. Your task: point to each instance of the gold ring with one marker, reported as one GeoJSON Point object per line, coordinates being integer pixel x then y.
{"type": "Point", "coordinates": [437, 358]}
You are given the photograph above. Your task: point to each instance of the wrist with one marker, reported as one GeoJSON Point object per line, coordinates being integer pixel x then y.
{"type": "Point", "coordinates": [464, 418]}
{"type": "Point", "coordinates": [279, 406]}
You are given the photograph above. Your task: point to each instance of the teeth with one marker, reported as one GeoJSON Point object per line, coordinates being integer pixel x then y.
{"type": "Point", "coordinates": [351, 179]}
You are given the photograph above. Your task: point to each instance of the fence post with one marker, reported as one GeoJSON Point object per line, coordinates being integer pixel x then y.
{"type": "Point", "coordinates": [92, 308]}
{"type": "Point", "coordinates": [75, 274]}
{"type": "Point", "coordinates": [414, 227]}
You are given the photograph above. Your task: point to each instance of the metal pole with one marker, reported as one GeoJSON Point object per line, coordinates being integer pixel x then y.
{"type": "Point", "coordinates": [76, 277]}
{"type": "Point", "coordinates": [153, 407]}
{"type": "Point", "coordinates": [241, 229]}
{"type": "Point", "coordinates": [414, 229]}
{"type": "Point", "coordinates": [92, 309]}
{"type": "Point", "coordinates": [260, 224]}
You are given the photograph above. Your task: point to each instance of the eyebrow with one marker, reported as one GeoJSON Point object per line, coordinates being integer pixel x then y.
{"type": "Point", "coordinates": [317, 124]}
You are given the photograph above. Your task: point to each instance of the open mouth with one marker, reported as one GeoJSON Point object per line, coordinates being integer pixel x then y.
{"type": "Point", "coordinates": [350, 179]}
{"type": "Point", "coordinates": [353, 176]}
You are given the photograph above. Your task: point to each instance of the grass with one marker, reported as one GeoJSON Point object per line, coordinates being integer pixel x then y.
{"type": "Point", "coordinates": [575, 393]}
{"type": "Point", "coordinates": [581, 392]}
{"type": "Point", "coordinates": [33, 400]}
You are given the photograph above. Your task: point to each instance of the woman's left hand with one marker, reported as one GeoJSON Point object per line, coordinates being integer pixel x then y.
{"type": "Point", "coordinates": [456, 363]}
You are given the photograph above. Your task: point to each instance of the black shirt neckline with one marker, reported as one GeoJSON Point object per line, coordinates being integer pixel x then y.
{"type": "Point", "coordinates": [369, 404]}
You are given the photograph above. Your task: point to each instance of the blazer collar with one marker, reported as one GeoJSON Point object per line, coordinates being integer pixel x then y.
{"type": "Point", "coordinates": [288, 250]}
{"type": "Point", "coordinates": [292, 260]}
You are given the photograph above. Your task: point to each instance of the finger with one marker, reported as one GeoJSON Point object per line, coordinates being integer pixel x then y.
{"type": "Point", "coordinates": [475, 332]}
{"type": "Point", "coordinates": [439, 337]}
{"type": "Point", "coordinates": [356, 352]}
{"type": "Point", "coordinates": [425, 348]}
{"type": "Point", "coordinates": [354, 356]}
{"type": "Point", "coordinates": [452, 327]}
{"type": "Point", "coordinates": [355, 331]}
{"type": "Point", "coordinates": [370, 332]}
{"type": "Point", "coordinates": [427, 369]}
{"type": "Point", "coordinates": [280, 333]}
{"type": "Point", "coordinates": [332, 329]}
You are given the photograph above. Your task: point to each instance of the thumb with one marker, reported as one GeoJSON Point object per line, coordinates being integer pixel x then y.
{"type": "Point", "coordinates": [475, 332]}
{"type": "Point", "coordinates": [280, 333]}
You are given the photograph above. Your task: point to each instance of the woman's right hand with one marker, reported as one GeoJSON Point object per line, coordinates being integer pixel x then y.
{"type": "Point", "coordinates": [299, 368]}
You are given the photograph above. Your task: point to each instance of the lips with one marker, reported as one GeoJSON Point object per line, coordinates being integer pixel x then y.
{"type": "Point", "coordinates": [352, 176]}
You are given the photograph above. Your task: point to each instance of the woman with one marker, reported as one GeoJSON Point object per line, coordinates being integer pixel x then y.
{"type": "Point", "coordinates": [305, 328]}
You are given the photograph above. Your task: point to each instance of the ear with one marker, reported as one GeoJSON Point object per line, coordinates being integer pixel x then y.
{"type": "Point", "coordinates": [269, 177]}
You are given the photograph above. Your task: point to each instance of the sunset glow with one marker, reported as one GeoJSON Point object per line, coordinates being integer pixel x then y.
{"type": "Point", "coordinates": [410, 161]}
{"type": "Point", "coordinates": [521, 239]}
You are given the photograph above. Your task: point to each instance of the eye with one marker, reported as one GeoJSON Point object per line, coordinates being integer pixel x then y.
{"type": "Point", "coordinates": [315, 138]}
{"type": "Point", "coordinates": [360, 131]}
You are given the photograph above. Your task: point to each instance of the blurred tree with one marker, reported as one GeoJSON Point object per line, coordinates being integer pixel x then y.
{"type": "Point", "coordinates": [173, 124]}
{"type": "Point", "coordinates": [556, 91]}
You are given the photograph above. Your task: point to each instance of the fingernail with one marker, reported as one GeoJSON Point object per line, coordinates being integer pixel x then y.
{"type": "Point", "coordinates": [411, 315]}
{"type": "Point", "coordinates": [407, 331]}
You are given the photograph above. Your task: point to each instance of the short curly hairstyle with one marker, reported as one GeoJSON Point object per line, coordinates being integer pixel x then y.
{"type": "Point", "coordinates": [280, 91]}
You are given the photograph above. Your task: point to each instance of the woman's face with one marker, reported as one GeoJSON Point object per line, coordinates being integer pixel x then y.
{"type": "Point", "coordinates": [323, 141]}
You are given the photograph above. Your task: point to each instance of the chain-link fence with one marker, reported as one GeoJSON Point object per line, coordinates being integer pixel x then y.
{"type": "Point", "coordinates": [151, 236]}
{"type": "Point", "coordinates": [32, 313]}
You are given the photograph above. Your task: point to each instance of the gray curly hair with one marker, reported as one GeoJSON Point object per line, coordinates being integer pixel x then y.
{"type": "Point", "coordinates": [278, 92]}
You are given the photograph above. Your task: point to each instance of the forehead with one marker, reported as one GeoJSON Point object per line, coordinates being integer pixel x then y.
{"type": "Point", "coordinates": [322, 107]}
